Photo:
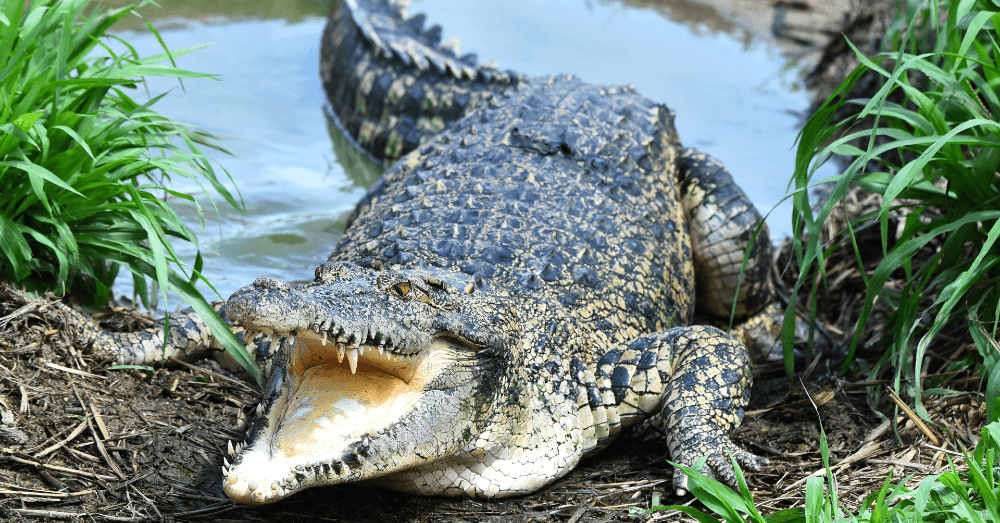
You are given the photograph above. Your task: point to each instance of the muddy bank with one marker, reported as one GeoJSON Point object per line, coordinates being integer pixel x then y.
{"type": "Point", "coordinates": [127, 444]}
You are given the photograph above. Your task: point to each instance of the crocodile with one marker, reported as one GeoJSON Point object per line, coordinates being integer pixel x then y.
{"type": "Point", "coordinates": [516, 289]}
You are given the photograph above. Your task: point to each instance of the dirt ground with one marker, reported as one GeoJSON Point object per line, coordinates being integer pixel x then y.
{"type": "Point", "coordinates": [122, 445]}
{"type": "Point", "coordinates": [79, 442]}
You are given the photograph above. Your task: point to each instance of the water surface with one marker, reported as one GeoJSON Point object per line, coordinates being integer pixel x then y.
{"type": "Point", "coordinates": [736, 98]}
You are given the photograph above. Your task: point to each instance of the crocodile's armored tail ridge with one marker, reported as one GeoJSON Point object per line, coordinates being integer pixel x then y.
{"type": "Point", "coordinates": [392, 83]}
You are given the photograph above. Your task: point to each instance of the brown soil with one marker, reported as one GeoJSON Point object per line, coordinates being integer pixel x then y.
{"type": "Point", "coordinates": [78, 441]}
{"type": "Point", "coordinates": [152, 444]}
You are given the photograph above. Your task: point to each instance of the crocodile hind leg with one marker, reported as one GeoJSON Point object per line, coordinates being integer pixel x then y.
{"type": "Point", "coordinates": [699, 378]}
{"type": "Point", "coordinates": [723, 223]}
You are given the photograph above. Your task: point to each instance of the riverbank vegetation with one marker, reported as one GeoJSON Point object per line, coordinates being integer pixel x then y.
{"type": "Point", "coordinates": [932, 158]}
{"type": "Point", "coordinates": [85, 168]}
{"type": "Point", "coordinates": [967, 496]}
{"type": "Point", "coordinates": [924, 149]}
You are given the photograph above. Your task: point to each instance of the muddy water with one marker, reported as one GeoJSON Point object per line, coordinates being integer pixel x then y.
{"type": "Point", "coordinates": [735, 90]}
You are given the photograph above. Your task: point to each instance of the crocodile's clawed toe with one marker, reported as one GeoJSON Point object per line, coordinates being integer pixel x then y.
{"type": "Point", "coordinates": [718, 465]}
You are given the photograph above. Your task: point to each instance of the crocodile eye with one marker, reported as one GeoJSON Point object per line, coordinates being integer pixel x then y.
{"type": "Point", "coordinates": [402, 288]}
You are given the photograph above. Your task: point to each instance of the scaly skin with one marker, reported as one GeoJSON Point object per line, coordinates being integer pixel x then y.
{"type": "Point", "coordinates": [514, 291]}
{"type": "Point", "coordinates": [508, 296]}
{"type": "Point", "coordinates": [187, 339]}
{"type": "Point", "coordinates": [402, 88]}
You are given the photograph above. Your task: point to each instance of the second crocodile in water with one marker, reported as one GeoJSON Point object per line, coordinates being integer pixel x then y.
{"type": "Point", "coordinates": [514, 291]}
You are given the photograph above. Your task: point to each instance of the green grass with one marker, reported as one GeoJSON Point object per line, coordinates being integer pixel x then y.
{"type": "Point", "coordinates": [85, 169]}
{"type": "Point", "coordinates": [955, 496]}
{"type": "Point", "coordinates": [929, 143]}
{"type": "Point", "coordinates": [933, 156]}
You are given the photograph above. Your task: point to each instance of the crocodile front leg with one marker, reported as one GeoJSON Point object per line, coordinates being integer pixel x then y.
{"type": "Point", "coordinates": [188, 339]}
{"type": "Point", "coordinates": [699, 377]}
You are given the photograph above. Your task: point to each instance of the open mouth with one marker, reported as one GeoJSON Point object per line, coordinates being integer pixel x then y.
{"type": "Point", "coordinates": [333, 399]}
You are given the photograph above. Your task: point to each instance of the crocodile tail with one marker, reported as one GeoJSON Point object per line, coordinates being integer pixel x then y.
{"type": "Point", "coordinates": [392, 84]}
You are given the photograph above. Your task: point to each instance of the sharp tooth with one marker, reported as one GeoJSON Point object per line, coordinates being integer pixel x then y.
{"type": "Point", "coordinates": [225, 472]}
{"type": "Point", "coordinates": [291, 340]}
{"type": "Point", "coordinates": [324, 338]}
{"type": "Point", "coordinates": [225, 462]}
{"type": "Point", "coordinates": [352, 359]}
{"type": "Point", "coordinates": [361, 350]}
{"type": "Point", "coordinates": [381, 349]}
{"type": "Point", "coordinates": [260, 409]}
{"type": "Point", "coordinates": [229, 449]}
{"type": "Point", "coordinates": [340, 352]}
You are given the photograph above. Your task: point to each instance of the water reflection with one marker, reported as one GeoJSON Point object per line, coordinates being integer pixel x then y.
{"type": "Point", "coordinates": [798, 28]}
{"type": "Point", "coordinates": [173, 14]}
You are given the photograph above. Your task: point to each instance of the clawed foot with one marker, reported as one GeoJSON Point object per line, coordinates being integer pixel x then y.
{"type": "Point", "coordinates": [718, 466]}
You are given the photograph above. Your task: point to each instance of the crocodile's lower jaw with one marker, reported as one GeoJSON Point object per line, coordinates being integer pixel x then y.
{"type": "Point", "coordinates": [327, 422]}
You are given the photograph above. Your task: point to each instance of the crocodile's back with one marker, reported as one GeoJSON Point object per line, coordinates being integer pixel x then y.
{"type": "Point", "coordinates": [553, 187]}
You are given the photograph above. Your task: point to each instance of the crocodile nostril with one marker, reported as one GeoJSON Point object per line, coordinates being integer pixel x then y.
{"type": "Point", "coordinates": [271, 283]}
